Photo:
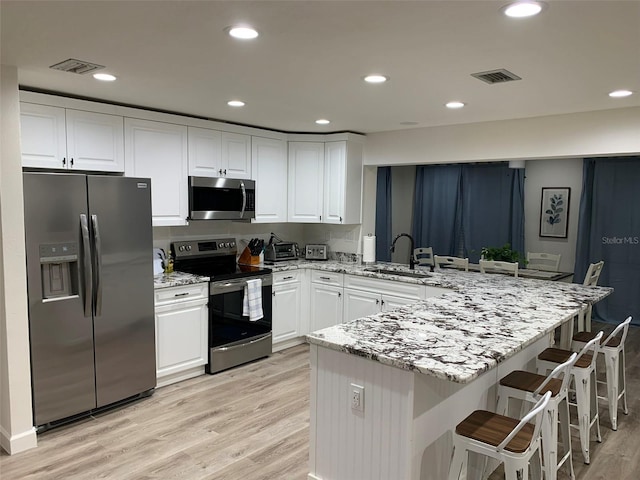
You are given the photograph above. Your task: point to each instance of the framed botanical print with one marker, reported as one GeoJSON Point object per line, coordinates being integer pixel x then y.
{"type": "Point", "coordinates": [554, 212]}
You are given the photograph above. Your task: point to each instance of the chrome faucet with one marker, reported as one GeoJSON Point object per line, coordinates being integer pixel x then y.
{"type": "Point", "coordinates": [412, 262]}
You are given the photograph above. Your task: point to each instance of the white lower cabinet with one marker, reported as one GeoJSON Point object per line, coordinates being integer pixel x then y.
{"type": "Point", "coordinates": [286, 306]}
{"type": "Point", "coordinates": [181, 332]}
{"type": "Point", "coordinates": [326, 300]}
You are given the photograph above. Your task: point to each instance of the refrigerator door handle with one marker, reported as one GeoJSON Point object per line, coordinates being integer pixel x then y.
{"type": "Point", "coordinates": [88, 271]}
{"type": "Point", "coordinates": [98, 253]}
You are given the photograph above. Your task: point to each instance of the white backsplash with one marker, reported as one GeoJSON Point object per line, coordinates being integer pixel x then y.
{"type": "Point", "coordinates": [340, 238]}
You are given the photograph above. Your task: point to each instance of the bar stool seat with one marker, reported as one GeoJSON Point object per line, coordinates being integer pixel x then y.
{"type": "Point", "coordinates": [582, 372]}
{"type": "Point", "coordinates": [528, 387]}
{"type": "Point", "coordinates": [510, 441]}
{"type": "Point", "coordinates": [612, 348]}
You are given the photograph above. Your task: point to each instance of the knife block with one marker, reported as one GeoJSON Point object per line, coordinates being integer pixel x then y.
{"type": "Point", "coordinates": [247, 259]}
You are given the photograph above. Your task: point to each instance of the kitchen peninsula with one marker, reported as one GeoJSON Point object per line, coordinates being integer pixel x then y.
{"type": "Point", "coordinates": [421, 368]}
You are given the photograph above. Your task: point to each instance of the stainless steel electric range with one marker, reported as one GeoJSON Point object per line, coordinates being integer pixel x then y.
{"type": "Point", "coordinates": [233, 338]}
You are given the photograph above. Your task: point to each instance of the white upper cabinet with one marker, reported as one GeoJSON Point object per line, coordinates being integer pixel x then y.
{"type": "Point", "coordinates": [342, 182]}
{"type": "Point", "coordinates": [54, 137]}
{"type": "Point", "coordinates": [159, 151]}
{"type": "Point", "coordinates": [236, 155]}
{"type": "Point", "coordinates": [269, 167]}
{"type": "Point", "coordinates": [306, 171]}
{"type": "Point", "coordinates": [205, 152]}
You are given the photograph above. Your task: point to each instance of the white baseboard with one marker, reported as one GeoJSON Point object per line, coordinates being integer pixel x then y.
{"type": "Point", "coordinates": [20, 442]}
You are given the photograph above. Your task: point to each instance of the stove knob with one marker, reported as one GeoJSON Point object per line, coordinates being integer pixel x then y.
{"type": "Point", "coordinates": [226, 245]}
{"type": "Point", "coordinates": [181, 248]}
{"type": "Point", "coordinates": [233, 244]}
{"type": "Point", "coordinates": [188, 248]}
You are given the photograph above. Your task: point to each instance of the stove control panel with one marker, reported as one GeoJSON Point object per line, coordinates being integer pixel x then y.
{"type": "Point", "coordinates": [204, 248]}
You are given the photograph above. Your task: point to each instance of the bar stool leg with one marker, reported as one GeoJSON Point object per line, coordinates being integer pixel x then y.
{"type": "Point", "coordinates": [550, 441]}
{"type": "Point", "coordinates": [565, 430]}
{"type": "Point", "coordinates": [623, 381]}
{"type": "Point", "coordinates": [612, 373]}
{"type": "Point", "coordinates": [595, 411]}
{"type": "Point", "coordinates": [515, 470]}
{"type": "Point", "coordinates": [583, 401]}
{"type": "Point", "coordinates": [458, 462]}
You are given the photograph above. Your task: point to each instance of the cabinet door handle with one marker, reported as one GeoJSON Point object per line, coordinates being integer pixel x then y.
{"type": "Point", "coordinates": [64, 161]}
{"type": "Point", "coordinates": [382, 301]}
{"type": "Point", "coordinates": [71, 161]}
{"type": "Point", "coordinates": [181, 294]}
{"type": "Point", "coordinates": [273, 294]}
{"type": "Point", "coordinates": [220, 172]}
{"type": "Point", "coordinates": [340, 219]}
{"type": "Point", "coordinates": [377, 301]}
{"type": "Point", "coordinates": [339, 294]}
{"type": "Point", "coordinates": [320, 217]}
{"type": "Point", "coordinates": [225, 171]}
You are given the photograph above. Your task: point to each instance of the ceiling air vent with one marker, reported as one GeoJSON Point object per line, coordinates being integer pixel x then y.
{"type": "Point", "coordinates": [496, 76]}
{"type": "Point", "coordinates": [76, 66]}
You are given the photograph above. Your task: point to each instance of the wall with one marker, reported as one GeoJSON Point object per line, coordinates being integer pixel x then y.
{"type": "Point", "coordinates": [16, 423]}
{"type": "Point", "coordinates": [552, 173]}
{"type": "Point", "coordinates": [578, 135]}
{"type": "Point", "coordinates": [403, 181]}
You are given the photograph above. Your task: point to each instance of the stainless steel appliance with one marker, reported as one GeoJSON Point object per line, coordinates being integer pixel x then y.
{"type": "Point", "coordinates": [233, 338]}
{"type": "Point", "coordinates": [221, 198]}
{"type": "Point", "coordinates": [275, 252]}
{"type": "Point", "coordinates": [316, 252]}
{"type": "Point", "coordinates": [90, 287]}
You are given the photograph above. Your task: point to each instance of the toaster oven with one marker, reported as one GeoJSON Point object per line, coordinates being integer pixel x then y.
{"type": "Point", "coordinates": [275, 252]}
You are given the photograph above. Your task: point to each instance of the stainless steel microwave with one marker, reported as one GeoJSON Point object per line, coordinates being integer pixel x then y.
{"type": "Point", "coordinates": [221, 198]}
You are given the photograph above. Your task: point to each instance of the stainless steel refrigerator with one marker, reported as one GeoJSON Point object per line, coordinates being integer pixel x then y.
{"type": "Point", "coordinates": [89, 248]}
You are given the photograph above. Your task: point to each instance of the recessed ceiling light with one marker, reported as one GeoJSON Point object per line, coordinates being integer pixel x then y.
{"type": "Point", "coordinates": [620, 93]}
{"type": "Point", "coordinates": [243, 33]}
{"type": "Point", "coordinates": [521, 9]}
{"type": "Point", "coordinates": [323, 121]}
{"type": "Point", "coordinates": [236, 103]}
{"type": "Point", "coordinates": [105, 77]}
{"type": "Point", "coordinates": [454, 105]}
{"type": "Point", "coordinates": [375, 78]}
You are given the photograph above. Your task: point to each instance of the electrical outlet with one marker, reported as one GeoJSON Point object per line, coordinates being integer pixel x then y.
{"type": "Point", "coordinates": [357, 397]}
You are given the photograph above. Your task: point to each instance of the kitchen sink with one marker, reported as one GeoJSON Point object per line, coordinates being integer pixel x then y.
{"type": "Point", "coordinates": [401, 273]}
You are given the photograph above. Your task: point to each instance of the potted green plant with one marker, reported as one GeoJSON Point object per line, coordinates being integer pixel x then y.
{"type": "Point", "coordinates": [502, 254]}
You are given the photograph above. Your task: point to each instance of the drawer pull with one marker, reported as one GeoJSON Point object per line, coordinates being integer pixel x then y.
{"type": "Point", "coordinates": [181, 294]}
{"type": "Point", "coordinates": [325, 278]}
{"type": "Point", "coordinates": [287, 278]}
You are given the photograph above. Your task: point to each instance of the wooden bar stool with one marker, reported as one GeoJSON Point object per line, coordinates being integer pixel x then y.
{"type": "Point", "coordinates": [586, 395]}
{"type": "Point", "coordinates": [612, 348]}
{"type": "Point", "coordinates": [528, 387]}
{"type": "Point", "coordinates": [506, 439]}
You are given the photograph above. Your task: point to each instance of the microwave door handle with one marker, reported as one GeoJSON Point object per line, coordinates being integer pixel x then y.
{"type": "Point", "coordinates": [98, 246]}
{"type": "Point", "coordinates": [244, 199]}
{"type": "Point", "coordinates": [87, 269]}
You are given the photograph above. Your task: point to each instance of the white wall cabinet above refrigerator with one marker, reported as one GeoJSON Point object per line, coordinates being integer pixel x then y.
{"type": "Point", "coordinates": [219, 154]}
{"type": "Point", "coordinates": [55, 137]}
{"type": "Point", "coordinates": [158, 151]}
{"type": "Point", "coordinates": [269, 167]}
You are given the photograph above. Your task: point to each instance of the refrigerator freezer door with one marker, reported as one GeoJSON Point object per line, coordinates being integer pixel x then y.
{"type": "Point", "coordinates": [124, 325]}
{"type": "Point", "coordinates": [62, 367]}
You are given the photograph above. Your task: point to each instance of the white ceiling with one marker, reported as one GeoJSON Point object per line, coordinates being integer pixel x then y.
{"type": "Point", "coordinates": [310, 58]}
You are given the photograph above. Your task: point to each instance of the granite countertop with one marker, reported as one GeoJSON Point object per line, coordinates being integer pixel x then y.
{"type": "Point", "coordinates": [485, 319]}
{"type": "Point", "coordinates": [177, 279]}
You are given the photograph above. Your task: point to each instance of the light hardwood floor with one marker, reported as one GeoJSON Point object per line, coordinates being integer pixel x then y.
{"type": "Point", "coordinates": [251, 422]}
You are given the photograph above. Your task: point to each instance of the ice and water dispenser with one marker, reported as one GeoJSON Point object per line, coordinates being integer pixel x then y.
{"type": "Point", "coordinates": [59, 270]}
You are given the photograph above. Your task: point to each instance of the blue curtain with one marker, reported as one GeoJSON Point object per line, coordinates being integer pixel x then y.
{"type": "Point", "coordinates": [609, 230]}
{"type": "Point", "coordinates": [383, 214]}
{"type": "Point", "coordinates": [437, 208]}
{"type": "Point", "coordinates": [493, 208]}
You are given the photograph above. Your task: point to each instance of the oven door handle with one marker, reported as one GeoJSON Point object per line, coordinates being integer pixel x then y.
{"type": "Point", "coordinates": [228, 286]}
